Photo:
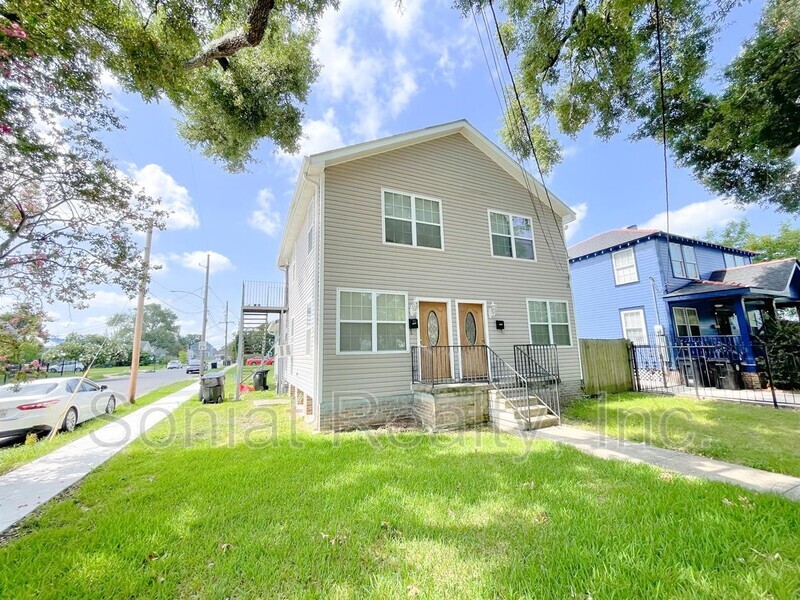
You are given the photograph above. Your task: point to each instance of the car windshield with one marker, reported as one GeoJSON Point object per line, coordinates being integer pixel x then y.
{"type": "Point", "coordinates": [194, 362]}
{"type": "Point", "coordinates": [26, 389]}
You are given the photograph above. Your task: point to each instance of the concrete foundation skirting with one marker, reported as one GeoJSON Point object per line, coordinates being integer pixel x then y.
{"type": "Point", "coordinates": [451, 407]}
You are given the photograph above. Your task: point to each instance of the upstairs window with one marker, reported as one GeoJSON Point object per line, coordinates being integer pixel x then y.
{"type": "Point", "coordinates": [684, 261]}
{"type": "Point", "coordinates": [735, 260]}
{"type": "Point", "coordinates": [686, 321]}
{"type": "Point", "coordinates": [412, 220]}
{"type": "Point", "coordinates": [512, 236]}
{"type": "Point", "coordinates": [625, 266]}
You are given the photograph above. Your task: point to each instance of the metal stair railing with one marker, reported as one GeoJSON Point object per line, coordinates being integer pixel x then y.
{"type": "Point", "coordinates": [538, 364]}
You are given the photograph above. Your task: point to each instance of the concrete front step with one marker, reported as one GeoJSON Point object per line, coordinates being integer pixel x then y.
{"type": "Point", "coordinates": [534, 410]}
{"type": "Point", "coordinates": [508, 420]}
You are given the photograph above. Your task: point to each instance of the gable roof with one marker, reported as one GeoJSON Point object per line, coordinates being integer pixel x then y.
{"type": "Point", "coordinates": [314, 165]}
{"type": "Point", "coordinates": [772, 277]}
{"type": "Point", "coordinates": [618, 238]}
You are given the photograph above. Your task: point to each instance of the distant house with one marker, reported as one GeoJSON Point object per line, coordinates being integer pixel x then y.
{"type": "Point", "coordinates": [424, 270]}
{"type": "Point", "coordinates": [641, 284]}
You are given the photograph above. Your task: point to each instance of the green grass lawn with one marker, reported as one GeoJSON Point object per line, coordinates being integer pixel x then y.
{"type": "Point", "coordinates": [756, 436]}
{"type": "Point", "coordinates": [237, 501]}
{"type": "Point", "coordinates": [14, 456]}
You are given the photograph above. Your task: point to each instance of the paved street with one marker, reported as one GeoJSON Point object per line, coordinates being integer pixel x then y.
{"type": "Point", "coordinates": [147, 381]}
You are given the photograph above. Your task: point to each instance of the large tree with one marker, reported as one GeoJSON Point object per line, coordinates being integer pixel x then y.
{"type": "Point", "coordinates": [737, 234]}
{"type": "Point", "coordinates": [22, 335]}
{"type": "Point", "coordinates": [237, 70]}
{"type": "Point", "coordinates": [159, 327]}
{"type": "Point", "coordinates": [598, 63]}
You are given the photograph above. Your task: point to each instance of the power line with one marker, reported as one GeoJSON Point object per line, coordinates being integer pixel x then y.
{"type": "Point", "coordinates": [663, 111]}
{"type": "Point", "coordinates": [514, 126]}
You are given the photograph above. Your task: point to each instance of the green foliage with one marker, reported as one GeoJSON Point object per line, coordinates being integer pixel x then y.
{"type": "Point", "coordinates": [157, 48]}
{"type": "Point", "coordinates": [159, 328]}
{"type": "Point", "coordinates": [22, 335]}
{"type": "Point", "coordinates": [595, 64]}
{"type": "Point", "coordinates": [782, 341]}
{"type": "Point", "coordinates": [737, 234]}
{"type": "Point", "coordinates": [88, 348]}
{"type": "Point", "coordinates": [255, 341]}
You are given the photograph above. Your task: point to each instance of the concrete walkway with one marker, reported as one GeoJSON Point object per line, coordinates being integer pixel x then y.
{"type": "Point", "coordinates": [607, 447]}
{"type": "Point", "coordinates": [28, 487]}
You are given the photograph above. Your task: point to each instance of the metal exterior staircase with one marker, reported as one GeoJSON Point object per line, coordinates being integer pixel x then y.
{"type": "Point", "coordinates": [514, 404]}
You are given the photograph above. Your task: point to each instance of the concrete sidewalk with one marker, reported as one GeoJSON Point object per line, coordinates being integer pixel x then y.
{"type": "Point", "coordinates": [28, 487]}
{"type": "Point", "coordinates": [692, 465]}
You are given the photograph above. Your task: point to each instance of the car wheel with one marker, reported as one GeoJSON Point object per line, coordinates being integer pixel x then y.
{"type": "Point", "coordinates": [111, 406]}
{"type": "Point", "coordinates": [70, 420]}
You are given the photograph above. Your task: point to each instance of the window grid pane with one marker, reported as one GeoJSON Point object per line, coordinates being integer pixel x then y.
{"type": "Point", "coordinates": [499, 223]}
{"type": "Point", "coordinates": [429, 236]}
{"type": "Point", "coordinates": [524, 248]}
{"type": "Point", "coordinates": [501, 246]}
{"type": "Point", "coordinates": [399, 232]}
{"type": "Point", "coordinates": [549, 322]}
{"type": "Point", "coordinates": [355, 337]}
{"type": "Point", "coordinates": [558, 312]}
{"type": "Point", "coordinates": [397, 205]}
{"type": "Point", "coordinates": [540, 334]}
{"type": "Point", "coordinates": [427, 211]}
{"type": "Point", "coordinates": [522, 228]}
{"type": "Point", "coordinates": [391, 337]}
{"type": "Point", "coordinates": [391, 307]}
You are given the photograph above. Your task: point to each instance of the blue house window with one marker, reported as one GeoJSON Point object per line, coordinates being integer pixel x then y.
{"type": "Point", "coordinates": [625, 266]}
{"type": "Point", "coordinates": [684, 261]}
{"type": "Point", "coordinates": [686, 321]}
{"type": "Point", "coordinates": [735, 260]}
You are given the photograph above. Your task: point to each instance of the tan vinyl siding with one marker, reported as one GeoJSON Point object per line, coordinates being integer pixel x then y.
{"type": "Point", "coordinates": [468, 183]}
{"type": "Point", "coordinates": [303, 284]}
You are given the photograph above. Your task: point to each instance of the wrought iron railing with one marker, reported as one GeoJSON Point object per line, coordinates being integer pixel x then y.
{"type": "Point", "coordinates": [538, 364]}
{"type": "Point", "coordinates": [439, 365]}
{"type": "Point", "coordinates": [264, 294]}
{"type": "Point", "coordinates": [730, 347]}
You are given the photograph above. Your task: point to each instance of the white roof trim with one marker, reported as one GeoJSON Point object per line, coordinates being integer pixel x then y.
{"type": "Point", "coordinates": [315, 164]}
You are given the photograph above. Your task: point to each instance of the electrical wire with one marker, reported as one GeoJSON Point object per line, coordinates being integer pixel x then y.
{"type": "Point", "coordinates": [663, 110]}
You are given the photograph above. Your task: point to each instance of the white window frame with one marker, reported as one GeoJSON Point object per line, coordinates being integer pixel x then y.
{"type": "Point", "coordinates": [309, 323]}
{"type": "Point", "coordinates": [640, 312]}
{"type": "Point", "coordinates": [685, 310]}
{"type": "Point", "coordinates": [510, 217]}
{"type": "Point", "coordinates": [374, 321]}
{"type": "Point", "coordinates": [550, 323]}
{"type": "Point", "coordinates": [734, 260]}
{"type": "Point", "coordinates": [682, 260]}
{"type": "Point", "coordinates": [619, 254]}
{"type": "Point", "coordinates": [413, 219]}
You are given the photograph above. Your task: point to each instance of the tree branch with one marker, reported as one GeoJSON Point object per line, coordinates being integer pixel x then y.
{"type": "Point", "coordinates": [248, 36]}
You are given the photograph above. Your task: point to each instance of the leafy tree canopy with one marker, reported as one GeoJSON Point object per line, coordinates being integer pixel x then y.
{"type": "Point", "coordinates": [159, 327]}
{"type": "Point", "coordinates": [22, 335]}
{"type": "Point", "coordinates": [596, 63]}
{"type": "Point", "coordinates": [737, 234]}
{"type": "Point", "coordinates": [237, 70]}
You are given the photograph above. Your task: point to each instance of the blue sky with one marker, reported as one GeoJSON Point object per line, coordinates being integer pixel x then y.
{"type": "Point", "coordinates": [382, 72]}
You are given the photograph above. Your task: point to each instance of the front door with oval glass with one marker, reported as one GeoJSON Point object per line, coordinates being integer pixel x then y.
{"type": "Point", "coordinates": [434, 341]}
{"type": "Point", "coordinates": [474, 359]}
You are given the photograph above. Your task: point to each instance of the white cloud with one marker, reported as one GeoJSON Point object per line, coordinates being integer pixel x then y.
{"type": "Point", "coordinates": [581, 210]}
{"type": "Point", "coordinates": [161, 261]}
{"type": "Point", "coordinates": [373, 86]}
{"type": "Point", "coordinates": [694, 220]}
{"type": "Point", "coordinates": [399, 21]}
{"type": "Point", "coordinates": [197, 261]}
{"type": "Point", "coordinates": [108, 299]}
{"type": "Point", "coordinates": [109, 82]}
{"type": "Point", "coordinates": [265, 218]}
{"type": "Point", "coordinates": [318, 136]}
{"type": "Point", "coordinates": [174, 197]}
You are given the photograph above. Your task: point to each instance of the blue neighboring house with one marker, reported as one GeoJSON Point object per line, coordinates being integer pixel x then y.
{"type": "Point", "coordinates": [643, 283]}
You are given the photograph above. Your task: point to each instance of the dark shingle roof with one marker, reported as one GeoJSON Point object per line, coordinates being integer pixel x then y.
{"type": "Point", "coordinates": [703, 287]}
{"type": "Point", "coordinates": [620, 237]}
{"type": "Point", "coordinates": [774, 275]}
{"type": "Point", "coordinates": [608, 239]}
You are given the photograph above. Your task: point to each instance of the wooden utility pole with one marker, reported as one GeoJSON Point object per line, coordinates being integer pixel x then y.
{"type": "Point", "coordinates": [205, 314]}
{"type": "Point", "coordinates": [137, 325]}
{"type": "Point", "coordinates": [225, 356]}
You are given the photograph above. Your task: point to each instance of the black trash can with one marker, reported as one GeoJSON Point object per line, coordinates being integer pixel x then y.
{"type": "Point", "coordinates": [214, 365]}
{"type": "Point", "coordinates": [260, 380]}
{"type": "Point", "coordinates": [727, 375]}
{"type": "Point", "coordinates": [212, 388]}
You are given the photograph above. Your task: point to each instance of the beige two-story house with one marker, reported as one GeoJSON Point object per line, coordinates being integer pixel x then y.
{"type": "Point", "coordinates": [428, 282]}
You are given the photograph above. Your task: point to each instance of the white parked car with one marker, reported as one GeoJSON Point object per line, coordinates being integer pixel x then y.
{"type": "Point", "coordinates": [174, 364]}
{"type": "Point", "coordinates": [66, 366]}
{"type": "Point", "coordinates": [38, 405]}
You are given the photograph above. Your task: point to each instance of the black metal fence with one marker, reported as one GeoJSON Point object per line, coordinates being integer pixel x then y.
{"type": "Point", "coordinates": [727, 369]}
{"type": "Point", "coordinates": [438, 365]}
